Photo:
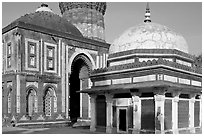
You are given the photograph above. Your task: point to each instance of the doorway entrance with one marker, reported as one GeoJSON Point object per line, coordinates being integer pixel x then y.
{"type": "Point", "coordinates": [122, 122]}
{"type": "Point", "coordinates": [79, 76]}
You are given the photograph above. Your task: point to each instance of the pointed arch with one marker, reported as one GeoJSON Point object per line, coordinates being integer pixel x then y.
{"type": "Point", "coordinates": [9, 95]}
{"type": "Point", "coordinates": [31, 100]}
{"type": "Point", "coordinates": [81, 52]}
{"type": "Point", "coordinates": [85, 60]}
{"type": "Point", "coordinates": [49, 100]}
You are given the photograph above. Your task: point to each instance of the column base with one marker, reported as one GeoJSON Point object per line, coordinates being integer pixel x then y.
{"type": "Point", "coordinates": [192, 130]}
{"type": "Point", "coordinates": [159, 132]}
{"type": "Point", "coordinates": [135, 131]}
{"type": "Point", "coordinates": [92, 129]}
{"type": "Point", "coordinates": [109, 130]}
{"type": "Point", "coordinates": [175, 131]}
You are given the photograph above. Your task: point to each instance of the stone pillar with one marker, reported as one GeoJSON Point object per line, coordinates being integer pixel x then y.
{"type": "Point", "coordinates": [200, 111]}
{"type": "Point", "coordinates": [67, 83]}
{"type": "Point", "coordinates": [175, 112]}
{"type": "Point", "coordinates": [159, 113]}
{"type": "Point", "coordinates": [93, 112]}
{"type": "Point", "coordinates": [136, 113]}
{"type": "Point", "coordinates": [18, 83]}
{"type": "Point", "coordinates": [191, 113]}
{"type": "Point", "coordinates": [109, 113]}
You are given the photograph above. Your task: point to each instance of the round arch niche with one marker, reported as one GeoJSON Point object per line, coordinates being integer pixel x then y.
{"type": "Point", "coordinates": [80, 70]}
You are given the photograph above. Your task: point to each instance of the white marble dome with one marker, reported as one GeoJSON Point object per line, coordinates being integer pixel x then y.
{"type": "Point", "coordinates": [149, 36]}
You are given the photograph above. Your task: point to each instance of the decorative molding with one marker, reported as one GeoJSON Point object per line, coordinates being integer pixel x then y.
{"type": "Point", "coordinates": [9, 83]}
{"type": "Point", "coordinates": [5, 116]}
{"type": "Point", "coordinates": [59, 117]}
{"type": "Point", "coordinates": [184, 81]}
{"type": "Point", "coordinates": [122, 62]}
{"type": "Point", "coordinates": [155, 52]}
{"type": "Point", "coordinates": [40, 118]}
{"type": "Point", "coordinates": [183, 62]}
{"type": "Point", "coordinates": [160, 77]}
{"type": "Point", "coordinates": [121, 81]}
{"type": "Point", "coordinates": [144, 78]}
{"type": "Point", "coordinates": [149, 64]}
{"type": "Point", "coordinates": [90, 84]}
{"type": "Point", "coordinates": [32, 83]}
{"type": "Point", "coordinates": [23, 118]}
{"type": "Point", "coordinates": [86, 50]}
{"type": "Point", "coordinates": [101, 83]}
{"type": "Point", "coordinates": [77, 52]}
{"type": "Point", "coordinates": [52, 84]}
{"type": "Point", "coordinates": [196, 83]}
{"type": "Point", "coordinates": [13, 118]}
{"type": "Point", "coordinates": [170, 78]}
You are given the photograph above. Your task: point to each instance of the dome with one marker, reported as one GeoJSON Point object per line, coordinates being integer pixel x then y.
{"type": "Point", "coordinates": [44, 17]}
{"type": "Point", "coordinates": [149, 36]}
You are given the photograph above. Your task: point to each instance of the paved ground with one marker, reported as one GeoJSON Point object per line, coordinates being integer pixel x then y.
{"type": "Point", "coordinates": [62, 130]}
{"type": "Point", "coordinates": [56, 130]}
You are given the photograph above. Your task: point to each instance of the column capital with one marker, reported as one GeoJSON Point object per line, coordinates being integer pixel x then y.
{"type": "Point", "coordinates": [192, 95]}
{"type": "Point", "coordinates": [92, 98]}
{"type": "Point", "coordinates": [160, 90]}
{"type": "Point", "coordinates": [159, 97]}
{"type": "Point", "coordinates": [176, 99]}
{"type": "Point", "coordinates": [136, 94]}
{"type": "Point", "coordinates": [176, 93]}
{"type": "Point", "coordinates": [135, 98]}
{"type": "Point", "coordinates": [192, 98]}
{"type": "Point", "coordinates": [109, 98]}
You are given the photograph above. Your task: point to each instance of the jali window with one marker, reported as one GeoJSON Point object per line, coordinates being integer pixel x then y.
{"type": "Point", "coordinates": [50, 102]}
{"type": "Point", "coordinates": [9, 101]}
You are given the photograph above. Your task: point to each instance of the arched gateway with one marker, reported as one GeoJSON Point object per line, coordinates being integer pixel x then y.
{"type": "Point", "coordinates": [79, 79]}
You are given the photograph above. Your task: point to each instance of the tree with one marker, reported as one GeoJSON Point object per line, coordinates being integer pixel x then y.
{"type": "Point", "coordinates": [198, 61]}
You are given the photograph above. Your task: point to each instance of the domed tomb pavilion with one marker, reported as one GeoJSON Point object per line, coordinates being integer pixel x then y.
{"type": "Point", "coordinates": [150, 84]}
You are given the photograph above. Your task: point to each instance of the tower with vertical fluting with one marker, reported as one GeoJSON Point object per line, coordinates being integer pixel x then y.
{"type": "Point", "coordinates": [88, 17]}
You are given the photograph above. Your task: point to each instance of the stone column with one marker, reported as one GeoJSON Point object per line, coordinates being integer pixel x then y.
{"type": "Point", "coordinates": [93, 112]}
{"type": "Point", "coordinates": [159, 113]}
{"type": "Point", "coordinates": [136, 113]}
{"type": "Point", "coordinates": [191, 113]}
{"type": "Point", "coordinates": [109, 113]}
{"type": "Point", "coordinates": [67, 83]}
{"type": "Point", "coordinates": [200, 119]}
{"type": "Point", "coordinates": [175, 112]}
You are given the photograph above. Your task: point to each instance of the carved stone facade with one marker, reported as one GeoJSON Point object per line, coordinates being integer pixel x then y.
{"type": "Point", "coordinates": [41, 64]}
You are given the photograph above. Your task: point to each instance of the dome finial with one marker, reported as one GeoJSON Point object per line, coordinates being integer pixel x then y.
{"type": "Point", "coordinates": [147, 14]}
{"type": "Point", "coordinates": [44, 7]}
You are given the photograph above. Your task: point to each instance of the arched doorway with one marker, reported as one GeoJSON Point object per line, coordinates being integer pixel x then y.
{"type": "Point", "coordinates": [80, 68]}
{"type": "Point", "coordinates": [31, 99]}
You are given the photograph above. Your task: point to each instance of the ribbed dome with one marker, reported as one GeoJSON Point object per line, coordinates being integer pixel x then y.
{"type": "Point", "coordinates": [49, 20]}
{"type": "Point", "coordinates": [149, 36]}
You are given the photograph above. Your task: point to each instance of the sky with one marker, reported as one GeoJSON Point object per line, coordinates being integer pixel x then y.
{"type": "Point", "coordinates": [183, 17]}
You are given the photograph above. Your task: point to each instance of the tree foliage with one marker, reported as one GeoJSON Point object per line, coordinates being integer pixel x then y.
{"type": "Point", "coordinates": [198, 61]}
